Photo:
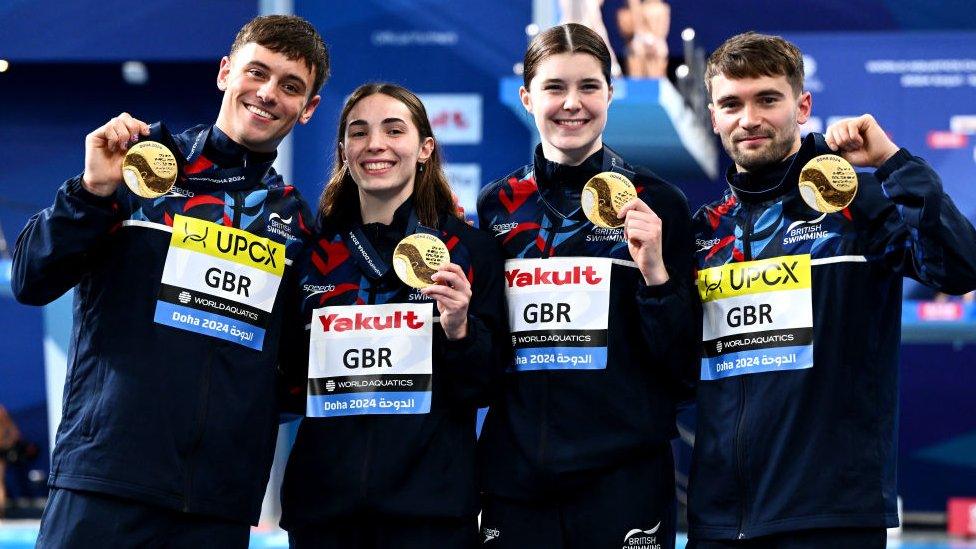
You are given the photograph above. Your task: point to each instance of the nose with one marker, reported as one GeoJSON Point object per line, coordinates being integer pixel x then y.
{"type": "Point", "coordinates": [375, 142]}
{"type": "Point", "coordinates": [267, 92]}
{"type": "Point", "coordinates": [571, 103]}
{"type": "Point", "coordinates": [750, 117]}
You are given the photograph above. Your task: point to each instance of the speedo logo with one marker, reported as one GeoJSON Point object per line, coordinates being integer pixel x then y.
{"type": "Point", "coordinates": [704, 245]}
{"type": "Point", "coordinates": [766, 275]}
{"type": "Point", "coordinates": [315, 289]}
{"type": "Point", "coordinates": [502, 228]}
{"type": "Point", "coordinates": [539, 276]}
{"type": "Point", "coordinates": [178, 192]}
{"type": "Point", "coordinates": [490, 534]}
{"type": "Point", "coordinates": [340, 323]}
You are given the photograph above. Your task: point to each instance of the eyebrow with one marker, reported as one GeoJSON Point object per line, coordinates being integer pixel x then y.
{"type": "Point", "coordinates": [385, 121]}
{"type": "Point", "coordinates": [561, 81]}
{"type": "Point", "coordinates": [769, 92]}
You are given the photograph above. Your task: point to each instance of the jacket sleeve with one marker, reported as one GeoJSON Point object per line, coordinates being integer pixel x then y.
{"type": "Point", "coordinates": [57, 247]}
{"type": "Point", "coordinates": [922, 234]}
{"type": "Point", "coordinates": [292, 372]}
{"type": "Point", "coordinates": [472, 366]}
{"type": "Point", "coordinates": [670, 313]}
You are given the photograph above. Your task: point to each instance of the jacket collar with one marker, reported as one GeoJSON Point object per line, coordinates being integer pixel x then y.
{"type": "Point", "coordinates": [775, 181]}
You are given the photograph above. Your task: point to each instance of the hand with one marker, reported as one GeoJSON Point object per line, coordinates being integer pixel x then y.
{"type": "Point", "coordinates": [104, 150]}
{"type": "Point", "coordinates": [860, 141]}
{"type": "Point", "coordinates": [452, 293]}
{"type": "Point", "coordinates": [642, 229]}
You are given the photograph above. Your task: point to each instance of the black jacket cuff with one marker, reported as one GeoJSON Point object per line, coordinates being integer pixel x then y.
{"type": "Point", "coordinates": [75, 188]}
{"type": "Point", "coordinates": [652, 292]}
{"type": "Point", "coordinates": [896, 161]}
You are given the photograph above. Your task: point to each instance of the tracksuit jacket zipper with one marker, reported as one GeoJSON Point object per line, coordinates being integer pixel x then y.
{"type": "Point", "coordinates": [205, 383]}
{"type": "Point", "coordinates": [544, 416]}
{"type": "Point", "coordinates": [737, 441]}
{"type": "Point", "coordinates": [238, 209]}
{"type": "Point", "coordinates": [366, 425]}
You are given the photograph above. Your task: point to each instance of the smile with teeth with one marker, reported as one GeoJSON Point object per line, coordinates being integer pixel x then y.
{"type": "Point", "coordinates": [571, 123]}
{"type": "Point", "coordinates": [377, 165]}
{"type": "Point", "coordinates": [260, 112]}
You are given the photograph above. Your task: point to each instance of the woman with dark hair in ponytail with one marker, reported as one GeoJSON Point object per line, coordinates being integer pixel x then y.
{"type": "Point", "coordinates": [403, 310]}
{"type": "Point", "coordinates": [576, 452]}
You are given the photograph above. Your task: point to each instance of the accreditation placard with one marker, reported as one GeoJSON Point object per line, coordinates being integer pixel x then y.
{"type": "Point", "coordinates": [558, 311]}
{"type": "Point", "coordinates": [219, 281]}
{"type": "Point", "coordinates": [758, 317]}
{"type": "Point", "coordinates": [370, 359]}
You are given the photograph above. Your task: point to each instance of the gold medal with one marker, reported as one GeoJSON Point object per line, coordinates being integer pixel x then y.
{"type": "Point", "coordinates": [417, 257]}
{"type": "Point", "coordinates": [149, 169]}
{"type": "Point", "coordinates": [603, 196]}
{"type": "Point", "coordinates": [828, 183]}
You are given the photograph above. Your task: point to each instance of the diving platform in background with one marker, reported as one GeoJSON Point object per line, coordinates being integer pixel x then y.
{"type": "Point", "coordinates": [649, 124]}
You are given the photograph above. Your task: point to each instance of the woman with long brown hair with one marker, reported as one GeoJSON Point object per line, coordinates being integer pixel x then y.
{"type": "Point", "coordinates": [403, 308]}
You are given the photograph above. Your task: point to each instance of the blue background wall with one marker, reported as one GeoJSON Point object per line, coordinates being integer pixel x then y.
{"type": "Point", "coordinates": [432, 46]}
{"type": "Point", "coordinates": [48, 110]}
{"type": "Point", "coordinates": [119, 30]}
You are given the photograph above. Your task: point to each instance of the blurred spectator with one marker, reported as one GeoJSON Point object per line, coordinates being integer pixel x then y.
{"type": "Point", "coordinates": [13, 450]}
{"type": "Point", "coordinates": [587, 12]}
{"type": "Point", "coordinates": [9, 435]}
{"type": "Point", "coordinates": [965, 298]}
{"type": "Point", "coordinates": [644, 25]}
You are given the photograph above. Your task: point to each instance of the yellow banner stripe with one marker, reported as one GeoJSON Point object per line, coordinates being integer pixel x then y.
{"type": "Point", "coordinates": [790, 272]}
{"type": "Point", "coordinates": [228, 243]}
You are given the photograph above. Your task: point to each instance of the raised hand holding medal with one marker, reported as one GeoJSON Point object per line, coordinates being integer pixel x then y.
{"type": "Point", "coordinates": [643, 230]}
{"type": "Point", "coordinates": [861, 141]}
{"type": "Point", "coordinates": [422, 261]}
{"type": "Point", "coordinates": [119, 151]}
{"type": "Point", "coordinates": [105, 149]}
{"type": "Point", "coordinates": [828, 183]}
{"type": "Point", "coordinates": [610, 200]}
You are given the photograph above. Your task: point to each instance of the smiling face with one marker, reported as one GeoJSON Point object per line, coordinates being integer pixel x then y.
{"type": "Point", "coordinates": [568, 97]}
{"type": "Point", "coordinates": [381, 146]}
{"type": "Point", "coordinates": [265, 94]}
{"type": "Point", "coordinates": [758, 119]}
